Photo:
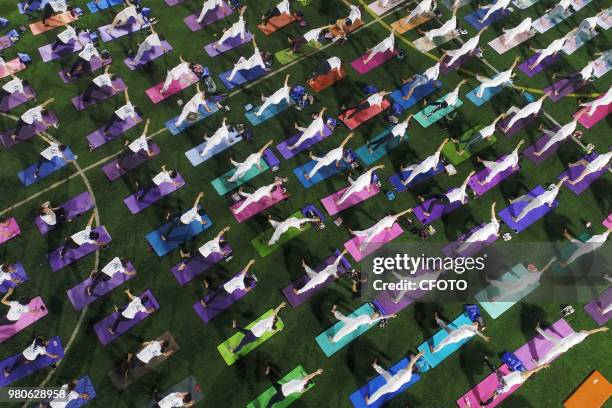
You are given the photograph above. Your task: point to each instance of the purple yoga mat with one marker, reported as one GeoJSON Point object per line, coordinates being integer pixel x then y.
{"type": "Point", "coordinates": [54, 347]}
{"type": "Point", "coordinates": [37, 310]}
{"type": "Point", "coordinates": [12, 101]}
{"type": "Point", "coordinates": [198, 264]}
{"type": "Point", "coordinates": [450, 250]}
{"type": "Point", "coordinates": [435, 212]}
{"type": "Point", "coordinates": [574, 172]}
{"type": "Point", "coordinates": [227, 45]}
{"type": "Point", "coordinates": [98, 96]}
{"type": "Point", "coordinates": [565, 86]}
{"type": "Point", "coordinates": [209, 18]}
{"type": "Point", "coordinates": [551, 59]}
{"type": "Point", "coordinates": [74, 255]}
{"type": "Point", "coordinates": [78, 294]}
{"type": "Point", "coordinates": [379, 59]}
{"type": "Point", "coordinates": [97, 137]}
{"type": "Point", "coordinates": [601, 301]}
{"type": "Point", "coordinates": [153, 195]}
{"type": "Point", "coordinates": [6, 42]}
{"type": "Point", "coordinates": [129, 163]}
{"type": "Point", "coordinates": [551, 151]}
{"type": "Point", "coordinates": [287, 153]}
{"type": "Point", "coordinates": [101, 328]}
{"type": "Point", "coordinates": [518, 126]}
{"type": "Point", "coordinates": [539, 346]}
{"type": "Point", "coordinates": [445, 69]}
{"type": "Point", "coordinates": [515, 209]}
{"type": "Point", "coordinates": [74, 207]}
{"type": "Point", "coordinates": [385, 303]}
{"type": "Point", "coordinates": [219, 301]}
{"type": "Point", "coordinates": [47, 54]}
{"type": "Point", "coordinates": [149, 56]}
{"type": "Point", "coordinates": [482, 175]}
{"type": "Point", "coordinates": [95, 64]}
{"type": "Point", "coordinates": [296, 300]}
{"type": "Point", "coordinates": [20, 274]}
{"type": "Point", "coordinates": [27, 132]}
{"type": "Point", "coordinates": [120, 31]}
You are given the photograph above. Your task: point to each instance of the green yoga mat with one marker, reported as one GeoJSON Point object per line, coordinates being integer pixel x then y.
{"type": "Point", "coordinates": [565, 252]}
{"type": "Point", "coordinates": [223, 186]}
{"type": "Point", "coordinates": [284, 58]}
{"type": "Point", "coordinates": [428, 121]}
{"type": "Point", "coordinates": [264, 398]}
{"type": "Point", "coordinates": [260, 242]}
{"type": "Point", "coordinates": [451, 150]}
{"type": "Point", "coordinates": [229, 357]}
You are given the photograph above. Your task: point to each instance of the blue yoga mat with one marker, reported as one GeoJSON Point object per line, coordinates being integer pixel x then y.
{"type": "Point", "coordinates": [194, 157]}
{"type": "Point", "coordinates": [24, 370]}
{"type": "Point", "coordinates": [34, 6]}
{"type": "Point", "coordinates": [242, 77]}
{"type": "Point", "coordinates": [48, 167]}
{"type": "Point", "coordinates": [179, 235]}
{"type": "Point", "coordinates": [321, 175]}
{"type": "Point", "coordinates": [83, 386]}
{"type": "Point", "coordinates": [222, 186]}
{"type": "Point", "coordinates": [330, 348]}
{"type": "Point", "coordinates": [102, 5]}
{"type": "Point", "coordinates": [496, 309]}
{"type": "Point", "coordinates": [436, 358]}
{"type": "Point", "coordinates": [203, 114]}
{"type": "Point", "coordinates": [474, 17]}
{"type": "Point", "coordinates": [418, 95]}
{"type": "Point", "coordinates": [367, 158]}
{"type": "Point", "coordinates": [396, 179]}
{"type": "Point", "coordinates": [269, 113]}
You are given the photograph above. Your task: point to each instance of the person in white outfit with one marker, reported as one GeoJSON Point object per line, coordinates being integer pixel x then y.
{"type": "Point", "coordinates": [455, 335]}
{"type": "Point", "coordinates": [192, 107]}
{"type": "Point", "coordinates": [117, 266]}
{"type": "Point", "coordinates": [214, 246]}
{"type": "Point", "coordinates": [599, 163]}
{"type": "Point", "coordinates": [581, 77]}
{"type": "Point", "coordinates": [149, 351]}
{"type": "Point", "coordinates": [424, 9]}
{"type": "Point", "coordinates": [292, 388]}
{"type": "Point", "coordinates": [333, 156]}
{"type": "Point", "coordinates": [496, 167]}
{"type": "Point", "coordinates": [129, 311]}
{"type": "Point", "coordinates": [393, 382]}
{"type": "Point", "coordinates": [584, 248]}
{"type": "Point", "coordinates": [530, 109]}
{"type": "Point", "coordinates": [208, 6]}
{"type": "Point", "coordinates": [482, 234]}
{"type": "Point", "coordinates": [282, 8]}
{"type": "Point", "coordinates": [70, 395]}
{"type": "Point", "coordinates": [399, 131]}
{"type": "Point", "coordinates": [125, 112]}
{"type": "Point", "coordinates": [564, 344]}
{"type": "Point", "coordinates": [152, 41]}
{"type": "Point", "coordinates": [388, 44]}
{"type": "Point", "coordinates": [504, 77]}
{"type": "Point", "coordinates": [315, 37]}
{"type": "Point", "coordinates": [363, 182]}
{"type": "Point", "coordinates": [254, 159]}
{"type": "Point", "coordinates": [450, 26]}
{"type": "Point", "coordinates": [350, 324]}
{"type": "Point", "coordinates": [140, 144]}
{"type": "Point", "coordinates": [376, 99]}
{"type": "Point", "coordinates": [31, 117]}
{"type": "Point", "coordinates": [550, 51]}
{"type": "Point", "coordinates": [175, 400]}
{"type": "Point", "coordinates": [221, 135]}
{"type": "Point", "coordinates": [282, 94]}
{"type": "Point", "coordinates": [260, 193]}
{"type": "Point", "coordinates": [457, 194]}
{"type": "Point", "coordinates": [431, 74]}
{"type": "Point", "coordinates": [427, 165]}
{"type": "Point", "coordinates": [547, 198]}
{"type": "Point", "coordinates": [467, 48]}
{"type": "Point", "coordinates": [602, 100]}
{"type": "Point", "coordinates": [557, 136]}
{"type": "Point", "coordinates": [124, 16]}
{"type": "Point", "coordinates": [512, 33]}
{"type": "Point", "coordinates": [492, 8]}
{"type": "Point", "coordinates": [15, 86]}
{"type": "Point", "coordinates": [280, 227]}
{"type": "Point", "coordinates": [483, 134]}
{"type": "Point", "coordinates": [509, 289]}
{"type": "Point", "coordinates": [317, 278]}
{"type": "Point", "coordinates": [237, 29]}
{"type": "Point", "coordinates": [259, 329]}
{"type": "Point", "coordinates": [255, 60]}
{"type": "Point", "coordinates": [384, 224]}
{"type": "Point", "coordinates": [317, 126]}
{"type": "Point", "coordinates": [243, 281]}
{"type": "Point", "coordinates": [177, 73]}
{"type": "Point", "coordinates": [53, 150]}
{"type": "Point", "coordinates": [186, 218]}
{"type": "Point", "coordinates": [449, 100]}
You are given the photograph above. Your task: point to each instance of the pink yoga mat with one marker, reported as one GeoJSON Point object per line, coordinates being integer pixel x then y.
{"type": "Point", "coordinates": [484, 390]}
{"type": "Point", "coordinates": [377, 242]}
{"type": "Point", "coordinates": [12, 229]}
{"type": "Point", "coordinates": [329, 202]}
{"type": "Point", "coordinates": [602, 301]}
{"type": "Point", "coordinates": [13, 65]}
{"type": "Point", "coordinates": [255, 208]}
{"type": "Point", "coordinates": [38, 310]}
{"type": "Point", "coordinates": [608, 221]}
{"type": "Point", "coordinates": [175, 87]}
{"type": "Point", "coordinates": [379, 59]}
{"type": "Point", "coordinates": [539, 346]}
{"type": "Point", "coordinates": [589, 121]}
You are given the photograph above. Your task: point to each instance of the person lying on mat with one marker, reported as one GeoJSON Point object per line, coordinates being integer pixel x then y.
{"type": "Point", "coordinates": [450, 100]}
{"type": "Point", "coordinates": [125, 112]}
{"type": "Point", "coordinates": [52, 7]}
{"type": "Point", "coordinates": [384, 224]}
{"type": "Point", "coordinates": [457, 194]}
{"type": "Point", "coordinates": [314, 36]}
{"type": "Point", "coordinates": [130, 12]}
{"type": "Point", "coordinates": [211, 247]}
{"type": "Point", "coordinates": [259, 329]}
{"type": "Point", "coordinates": [317, 126]}
{"type": "Point", "coordinates": [241, 282]}
{"type": "Point", "coordinates": [482, 135]}
{"type": "Point", "coordinates": [333, 64]}
{"type": "Point", "coordinates": [467, 48]}
{"type": "Point", "coordinates": [498, 5]}
{"type": "Point", "coordinates": [580, 78]}
{"type": "Point", "coordinates": [29, 355]}
{"type": "Point", "coordinates": [117, 266]}
{"type": "Point", "coordinates": [8, 273]}
{"type": "Point", "coordinates": [83, 237]}
{"type": "Point", "coordinates": [70, 394]}
{"type": "Point", "coordinates": [591, 167]}
{"type": "Point", "coordinates": [192, 107]}
{"type": "Point", "coordinates": [530, 109]}
{"type": "Point", "coordinates": [184, 69]}
{"type": "Point", "coordinates": [393, 382]}
{"type": "Point", "coordinates": [500, 79]}
{"type": "Point", "coordinates": [333, 156]}
{"type": "Point", "coordinates": [129, 311]}
{"type": "Point", "coordinates": [209, 5]}
{"type": "Point", "coordinates": [350, 324]}
{"type": "Point", "coordinates": [291, 388]}
{"type": "Point", "coordinates": [140, 144]}
{"type": "Point", "coordinates": [482, 234]}
{"type": "Point", "coordinates": [31, 117]}
{"type": "Point", "coordinates": [68, 35]}
{"type": "Point", "coordinates": [282, 8]}
{"type": "Point", "coordinates": [449, 27]}
{"type": "Point", "coordinates": [174, 400]}
{"type": "Point", "coordinates": [510, 289]}
{"type": "Point", "coordinates": [455, 335]}
{"type": "Point", "coordinates": [545, 199]}
{"type": "Point", "coordinates": [246, 64]}
{"type": "Point", "coordinates": [512, 33]}
{"type": "Point", "coordinates": [259, 194]}
{"type": "Point", "coordinates": [165, 176]}
{"type": "Point", "coordinates": [418, 80]}
{"type": "Point", "coordinates": [376, 99]}
{"type": "Point", "coordinates": [317, 278]}
{"type": "Point", "coordinates": [564, 344]}
{"type": "Point", "coordinates": [281, 227]}
{"type": "Point", "coordinates": [16, 308]}
{"type": "Point", "coordinates": [83, 61]}
{"type": "Point", "coordinates": [602, 100]}
{"type": "Point", "coordinates": [277, 97]}
{"type": "Point", "coordinates": [148, 351]}
{"type": "Point", "coordinates": [103, 83]}
{"type": "Point", "coordinates": [425, 9]}
{"type": "Point", "coordinates": [194, 214]}
{"type": "Point", "coordinates": [425, 166]}
{"type": "Point", "coordinates": [497, 167]}
{"type": "Point", "coordinates": [237, 29]}
{"type": "Point", "coordinates": [14, 86]}
{"type": "Point", "coordinates": [550, 51]}
{"type": "Point", "coordinates": [253, 160]}
{"type": "Point", "coordinates": [398, 131]}
{"type": "Point", "coordinates": [558, 136]}
{"type": "Point", "coordinates": [386, 45]}
{"type": "Point", "coordinates": [152, 41]}
{"type": "Point", "coordinates": [53, 150]}
{"type": "Point", "coordinates": [363, 182]}
{"type": "Point", "coordinates": [584, 248]}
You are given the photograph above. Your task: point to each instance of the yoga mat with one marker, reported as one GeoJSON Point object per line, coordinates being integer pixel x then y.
{"type": "Point", "coordinates": [608, 221]}
{"type": "Point", "coordinates": [48, 54]}
{"type": "Point", "coordinates": [451, 249]}
{"type": "Point", "coordinates": [102, 5]}
{"type": "Point", "coordinates": [241, 77]}
{"type": "Point", "coordinates": [219, 301]}
{"type": "Point", "coordinates": [97, 138]}
{"type": "Point", "coordinates": [549, 20]}
{"type": "Point", "coordinates": [329, 348]}
{"type": "Point", "coordinates": [574, 172]}
{"type": "Point", "coordinates": [498, 45]}
{"type": "Point", "coordinates": [78, 294]}
{"type": "Point", "coordinates": [176, 234]}
{"type": "Point", "coordinates": [198, 264]}
{"type": "Point", "coordinates": [358, 397]}
{"type": "Point", "coordinates": [474, 17]}
{"type": "Point", "coordinates": [96, 64]}
{"type": "Point", "coordinates": [379, 59]}
{"type": "Point", "coordinates": [436, 212]}
{"type": "Point", "coordinates": [151, 55]}
{"type": "Point", "coordinates": [459, 62]}
{"type": "Point", "coordinates": [424, 44]}
{"type": "Point", "coordinates": [534, 215]}
{"type": "Point", "coordinates": [20, 274]}
{"type": "Point", "coordinates": [83, 386]}
{"type": "Point", "coordinates": [189, 384]}
{"type": "Point", "coordinates": [428, 121]}
{"type": "Point", "coordinates": [195, 158]}
{"type": "Point", "coordinates": [276, 23]}
{"type": "Point", "coordinates": [486, 95]}
{"type": "Point", "coordinates": [224, 348]}
{"type": "Point", "coordinates": [363, 115]}
{"type": "Point", "coordinates": [497, 308]}
{"type": "Point", "coordinates": [330, 201]}
{"type": "Point", "coordinates": [265, 397]}
{"type": "Point", "coordinates": [397, 179]}
{"type": "Point", "coordinates": [321, 175]}
{"type": "Point", "coordinates": [479, 189]}
{"type": "Point", "coordinates": [402, 27]}
{"type": "Point", "coordinates": [155, 95]}
{"type": "Point", "coordinates": [260, 242]}
{"type": "Point", "coordinates": [222, 186]}
{"type": "Point", "coordinates": [74, 207]}
{"type": "Point", "coordinates": [12, 228]}
{"type": "Point", "coordinates": [230, 44]}
{"type": "Point", "coordinates": [366, 158]}
{"type": "Point", "coordinates": [379, 10]}
{"type": "Point", "coordinates": [322, 82]}
{"type": "Point", "coordinates": [97, 96]}
{"type": "Point", "coordinates": [153, 195]}
{"type": "Point", "coordinates": [75, 254]}
{"type": "Point", "coordinates": [589, 121]}
{"type": "Point", "coordinates": [605, 21]}
{"type": "Point", "coordinates": [24, 370]}
{"type": "Point", "coordinates": [255, 208]}
{"type": "Point", "coordinates": [14, 66]}
{"type": "Point", "coordinates": [546, 62]}
{"type": "Point", "coordinates": [450, 151]}
{"type": "Point", "coordinates": [57, 20]}
{"type": "Point", "coordinates": [578, 41]}
{"type": "Point", "coordinates": [38, 310]}
{"type": "Point", "coordinates": [270, 112]}
{"type": "Point", "coordinates": [296, 300]}
{"type": "Point", "coordinates": [172, 3]}
{"type": "Point", "coordinates": [434, 359]}
{"type": "Point", "coordinates": [27, 132]}
{"type": "Point", "coordinates": [539, 346]}
{"type": "Point", "coordinates": [551, 151]}
{"type": "Point", "coordinates": [46, 168]}
{"type": "Point", "coordinates": [386, 303]}
{"type": "Point", "coordinates": [380, 240]}
{"type": "Point", "coordinates": [35, 5]}
{"type": "Point", "coordinates": [420, 93]}
{"type": "Point", "coordinates": [284, 58]}
{"type": "Point", "coordinates": [594, 391]}
{"type": "Point", "coordinates": [283, 147]}
{"type": "Point", "coordinates": [209, 18]}
{"type": "Point", "coordinates": [485, 389]}
{"type": "Point", "coordinates": [5, 42]}
{"type": "Point", "coordinates": [101, 328]}
{"type": "Point", "coordinates": [9, 102]}
{"type": "Point", "coordinates": [592, 308]}
{"type": "Point", "coordinates": [518, 126]}
{"type": "Point", "coordinates": [130, 162]}
{"type": "Point", "coordinates": [565, 87]}
{"type": "Point", "coordinates": [120, 31]}
{"type": "Point", "coordinates": [202, 114]}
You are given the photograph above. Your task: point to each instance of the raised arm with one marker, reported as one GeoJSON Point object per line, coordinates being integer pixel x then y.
{"type": "Point", "coordinates": [146, 127]}
{"type": "Point", "coordinates": [47, 102]}
{"type": "Point", "coordinates": [248, 266]}
{"type": "Point", "coordinates": [278, 308]}
{"type": "Point", "coordinates": [493, 211]}
{"type": "Point", "coordinates": [5, 300]}
{"type": "Point", "coordinates": [197, 200]}
{"type": "Point", "coordinates": [516, 61]}
{"type": "Point", "coordinates": [467, 180]}
{"type": "Point", "coordinates": [129, 294]}
{"type": "Point", "coordinates": [182, 59]}
{"type": "Point", "coordinates": [265, 147]}
{"type": "Point", "coordinates": [223, 231]}
{"type": "Point", "coordinates": [287, 79]}
{"type": "Point", "coordinates": [444, 142]}
{"type": "Point", "coordinates": [346, 139]}
{"type": "Point", "coordinates": [414, 359]}
{"type": "Point", "coordinates": [91, 219]}
{"type": "Point", "coordinates": [314, 374]}
{"type": "Point", "coordinates": [127, 96]}
{"type": "Point", "coordinates": [520, 143]}
{"type": "Point", "coordinates": [408, 211]}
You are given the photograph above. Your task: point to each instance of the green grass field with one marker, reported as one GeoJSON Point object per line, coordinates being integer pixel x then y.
{"type": "Point", "coordinates": [350, 368]}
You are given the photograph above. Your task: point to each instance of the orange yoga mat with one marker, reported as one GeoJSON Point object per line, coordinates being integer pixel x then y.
{"type": "Point", "coordinates": [58, 20]}
{"type": "Point", "coordinates": [401, 28]}
{"type": "Point", "coordinates": [276, 23]}
{"type": "Point", "coordinates": [336, 33]}
{"type": "Point", "coordinates": [323, 81]}
{"type": "Point", "coordinates": [592, 393]}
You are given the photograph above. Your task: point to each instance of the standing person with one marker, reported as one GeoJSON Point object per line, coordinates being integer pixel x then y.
{"type": "Point", "coordinates": [449, 27]}
{"type": "Point", "coordinates": [16, 308]}
{"type": "Point", "coordinates": [192, 107]}
{"type": "Point", "coordinates": [318, 278]}
{"type": "Point", "coordinates": [237, 29]}
{"type": "Point", "coordinates": [528, 110]}
{"type": "Point", "coordinates": [558, 136]}
{"type": "Point", "coordinates": [15, 86]}
{"type": "Point", "coordinates": [317, 126]}
{"type": "Point", "coordinates": [277, 97]}
{"type": "Point", "coordinates": [482, 234]}
{"type": "Point", "coordinates": [384, 224]}
{"type": "Point", "coordinates": [260, 193]}
{"type": "Point", "coordinates": [561, 346]}
{"type": "Point", "coordinates": [29, 355]}
{"type": "Point", "coordinates": [499, 79]}
{"type": "Point", "coordinates": [128, 13]}
{"type": "Point", "coordinates": [83, 237]}
{"type": "Point", "coordinates": [511, 33]}
{"type": "Point", "coordinates": [174, 400]}
{"type": "Point", "coordinates": [449, 100]}
{"type": "Point", "coordinates": [68, 35]}
{"type": "Point", "coordinates": [602, 100]}
{"type": "Point", "coordinates": [508, 289]}
{"type": "Point", "coordinates": [31, 117]}
{"type": "Point", "coordinates": [129, 311]}
{"type": "Point", "coordinates": [550, 51]}
{"type": "Point", "coordinates": [591, 167]}
{"type": "Point", "coordinates": [115, 266]}
{"type": "Point", "coordinates": [418, 80]}
{"type": "Point", "coordinates": [243, 281]}
{"type": "Point", "coordinates": [164, 176]}
{"type": "Point", "coordinates": [192, 215]}
{"type": "Point", "coordinates": [498, 5]}
{"type": "Point", "coordinates": [497, 167]}
{"type": "Point", "coordinates": [386, 45]}
{"type": "Point", "coordinates": [245, 64]}
{"type": "Point", "coordinates": [209, 5]}
{"type": "Point", "coordinates": [254, 159]}
{"type": "Point", "coordinates": [280, 227]}
{"type": "Point", "coordinates": [427, 165]}
{"type": "Point", "coordinates": [467, 48]}
{"type": "Point", "coordinates": [393, 382]}
{"type": "Point", "coordinates": [70, 393]}
{"type": "Point", "coordinates": [177, 73]}
{"type": "Point", "coordinates": [483, 134]}
{"type": "Point", "coordinates": [211, 247]}
{"type": "Point", "coordinates": [83, 61]}
{"type": "Point", "coordinates": [262, 327]}
{"type": "Point", "coordinates": [455, 335]}
{"type": "Point", "coordinates": [152, 41]}
{"type": "Point", "coordinates": [296, 386]}
{"type": "Point", "coordinates": [457, 194]}
{"type": "Point", "coordinates": [282, 8]}
{"type": "Point", "coordinates": [397, 131]}
{"type": "Point", "coordinates": [425, 8]}
{"type": "Point", "coordinates": [376, 99]}
{"type": "Point", "coordinates": [122, 114]}
{"type": "Point", "coordinates": [581, 77]}
{"type": "Point", "coordinates": [221, 136]}
{"type": "Point", "coordinates": [8, 273]}
{"type": "Point", "coordinates": [102, 83]}
{"type": "Point", "coordinates": [333, 156]}
{"type": "Point", "coordinates": [363, 182]}
{"type": "Point", "coordinates": [140, 144]}
{"type": "Point", "coordinates": [585, 248]}
{"type": "Point", "coordinates": [149, 350]}
{"type": "Point", "coordinates": [547, 198]}
{"type": "Point", "coordinates": [350, 324]}
{"type": "Point", "coordinates": [52, 151]}
{"type": "Point", "coordinates": [314, 36]}
{"type": "Point", "coordinates": [52, 7]}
